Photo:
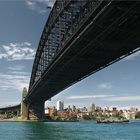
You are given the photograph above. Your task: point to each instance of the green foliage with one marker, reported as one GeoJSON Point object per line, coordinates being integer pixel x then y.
{"type": "Point", "coordinates": [57, 118]}
{"type": "Point", "coordinates": [86, 117]}
{"type": "Point", "coordinates": [138, 115]}
{"type": "Point", "coordinates": [93, 117]}
{"type": "Point", "coordinates": [73, 118]}
{"type": "Point", "coordinates": [1, 111]}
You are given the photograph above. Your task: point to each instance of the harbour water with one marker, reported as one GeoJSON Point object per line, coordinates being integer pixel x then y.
{"type": "Point", "coordinates": [86, 130]}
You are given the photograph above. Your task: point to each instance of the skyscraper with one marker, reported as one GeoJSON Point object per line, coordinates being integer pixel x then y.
{"type": "Point", "coordinates": [60, 106]}
{"type": "Point", "coordinates": [91, 108]}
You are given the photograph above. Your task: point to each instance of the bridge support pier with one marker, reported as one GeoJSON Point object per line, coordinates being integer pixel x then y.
{"type": "Point", "coordinates": [31, 111]}
{"type": "Point", "coordinates": [24, 107]}
{"type": "Point", "coordinates": [24, 111]}
{"type": "Point", "coordinates": [36, 111]}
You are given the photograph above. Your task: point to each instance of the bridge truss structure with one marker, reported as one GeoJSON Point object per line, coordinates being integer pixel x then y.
{"type": "Point", "coordinates": [79, 39]}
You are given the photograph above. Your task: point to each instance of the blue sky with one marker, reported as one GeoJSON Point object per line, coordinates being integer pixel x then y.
{"type": "Point", "coordinates": [21, 26]}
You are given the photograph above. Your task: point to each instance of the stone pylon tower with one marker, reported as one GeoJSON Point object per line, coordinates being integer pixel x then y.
{"type": "Point", "coordinates": [24, 108]}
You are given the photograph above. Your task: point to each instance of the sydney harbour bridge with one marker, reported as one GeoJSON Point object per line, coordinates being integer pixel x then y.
{"type": "Point", "coordinates": [79, 39]}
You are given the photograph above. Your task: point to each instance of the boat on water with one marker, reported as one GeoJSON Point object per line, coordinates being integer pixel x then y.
{"type": "Point", "coordinates": [112, 120]}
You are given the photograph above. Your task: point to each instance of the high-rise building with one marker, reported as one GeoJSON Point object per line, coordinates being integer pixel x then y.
{"type": "Point", "coordinates": [91, 108]}
{"type": "Point", "coordinates": [60, 106]}
{"type": "Point", "coordinates": [73, 108]}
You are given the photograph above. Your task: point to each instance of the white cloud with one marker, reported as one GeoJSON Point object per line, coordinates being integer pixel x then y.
{"type": "Point", "coordinates": [49, 3]}
{"type": "Point", "coordinates": [2, 55]}
{"type": "Point", "coordinates": [16, 68]}
{"type": "Point", "coordinates": [27, 43]}
{"type": "Point", "coordinates": [124, 98]}
{"type": "Point", "coordinates": [105, 86]}
{"type": "Point", "coordinates": [17, 51]}
{"type": "Point", "coordinates": [30, 3]}
{"type": "Point", "coordinates": [39, 6]}
{"type": "Point", "coordinates": [89, 96]}
{"type": "Point", "coordinates": [14, 79]}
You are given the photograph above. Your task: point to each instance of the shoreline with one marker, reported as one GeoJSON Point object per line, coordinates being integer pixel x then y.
{"type": "Point", "coordinates": [38, 121]}
{"type": "Point", "coordinates": [19, 121]}
{"type": "Point", "coordinates": [52, 120]}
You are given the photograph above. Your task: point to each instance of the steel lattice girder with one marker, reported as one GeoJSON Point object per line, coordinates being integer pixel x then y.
{"type": "Point", "coordinates": [104, 35]}
{"type": "Point", "coordinates": [59, 28]}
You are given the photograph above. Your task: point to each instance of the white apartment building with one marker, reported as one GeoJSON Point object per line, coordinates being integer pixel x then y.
{"type": "Point", "coordinates": [60, 106]}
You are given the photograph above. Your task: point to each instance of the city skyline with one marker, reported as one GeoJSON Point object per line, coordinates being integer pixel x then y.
{"type": "Point", "coordinates": [65, 106]}
{"type": "Point", "coordinates": [21, 28]}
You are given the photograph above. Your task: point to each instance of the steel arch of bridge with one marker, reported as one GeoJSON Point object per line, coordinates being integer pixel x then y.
{"type": "Point", "coordinates": [81, 38]}
{"type": "Point", "coordinates": [65, 19]}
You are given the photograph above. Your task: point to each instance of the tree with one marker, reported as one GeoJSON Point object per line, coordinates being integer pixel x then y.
{"type": "Point", "coordinates": [86, 117]}
{"type": "Point", "coordinates": [1, 111]}
{"type": "Point", "coordinates": [137, 115]}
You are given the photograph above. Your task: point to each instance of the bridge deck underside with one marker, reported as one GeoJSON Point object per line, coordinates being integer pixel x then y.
{"type": "Point", "coordinates": [112, 34]}
{"type": "Point", "coordinates": [10, 108]}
